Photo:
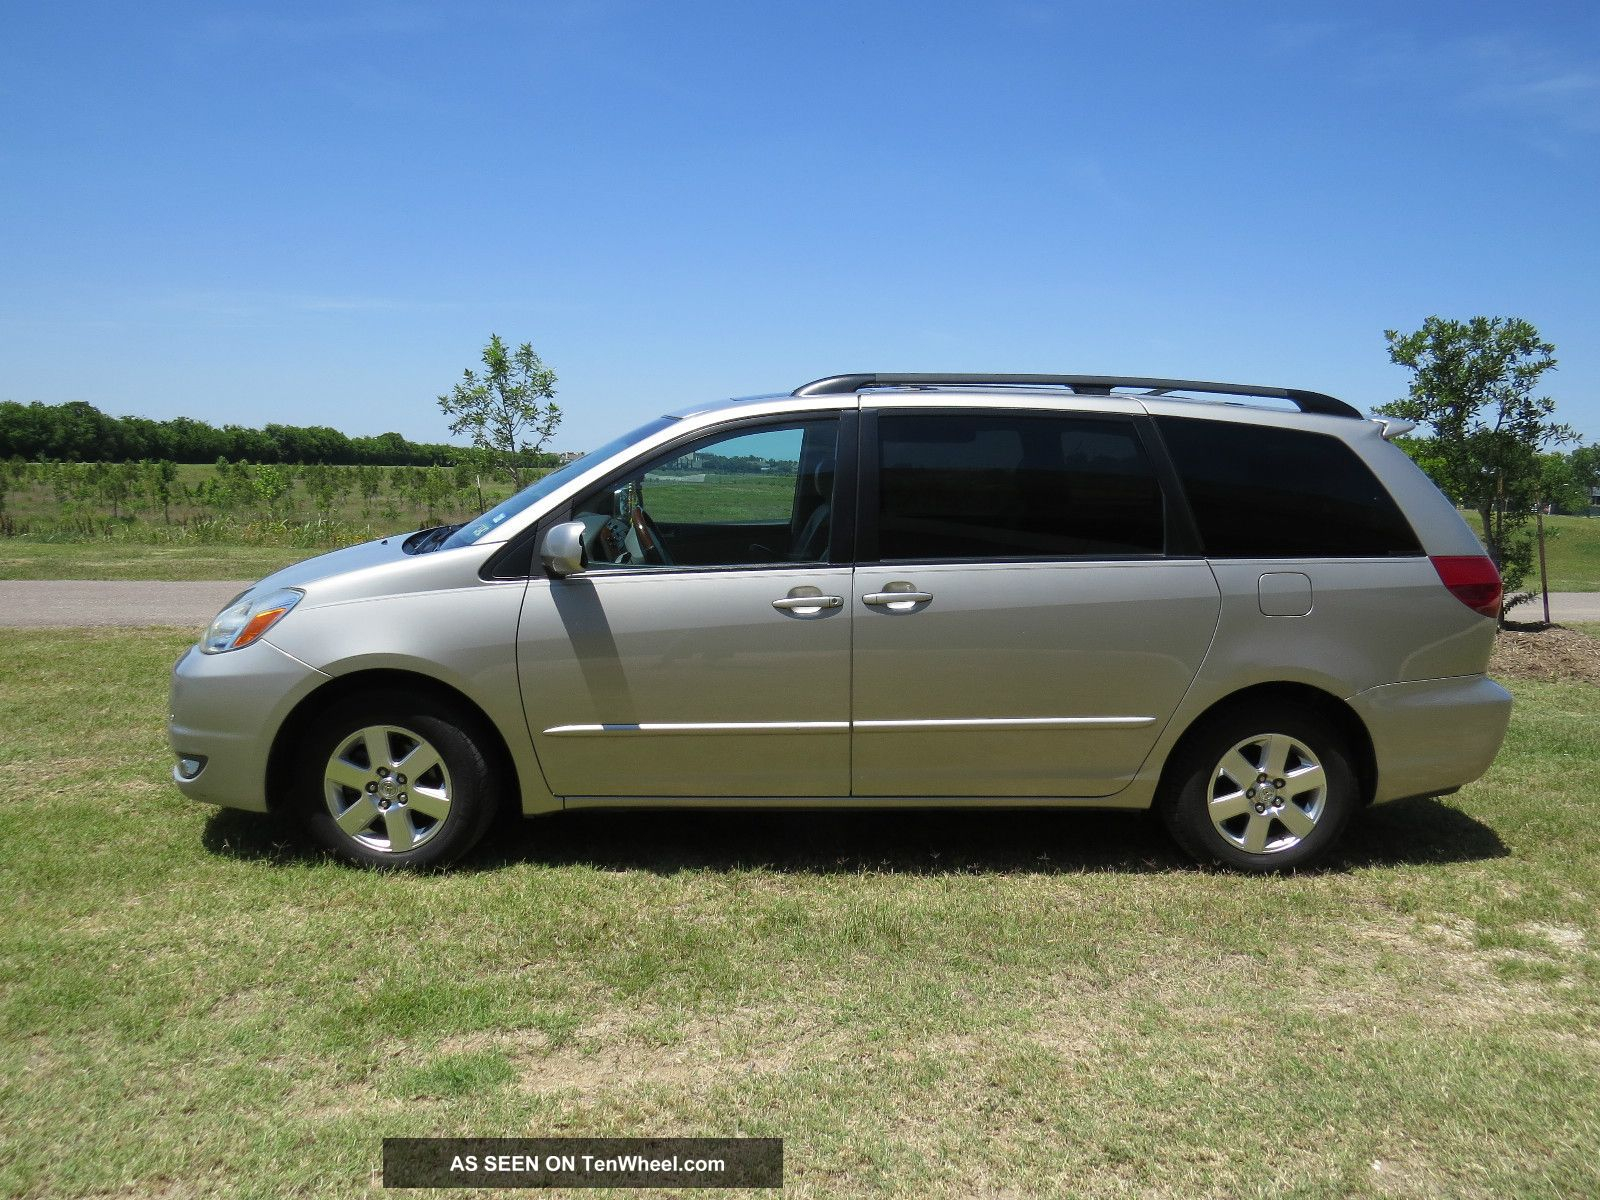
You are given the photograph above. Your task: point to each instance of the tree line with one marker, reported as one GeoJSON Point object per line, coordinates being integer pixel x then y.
{"type": "Point", "coordinates": [79, 432]}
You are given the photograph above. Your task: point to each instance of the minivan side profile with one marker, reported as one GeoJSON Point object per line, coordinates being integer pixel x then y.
{"type": "Point", "coordinates": [885, 591]}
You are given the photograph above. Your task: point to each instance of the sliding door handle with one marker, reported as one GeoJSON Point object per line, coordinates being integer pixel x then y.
{"type": "Point", "coordinates": [900, 601]}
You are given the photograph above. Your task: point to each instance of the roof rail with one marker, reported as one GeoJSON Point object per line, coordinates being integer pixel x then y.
{"type": "Point", "coordinates": [1083, 385]}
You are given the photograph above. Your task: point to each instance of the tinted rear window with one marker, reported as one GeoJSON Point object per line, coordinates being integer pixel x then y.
{"type": "Point", "coordinates": [1258, 491]}
{"type": "Point", "coordinates": [1008, 486]}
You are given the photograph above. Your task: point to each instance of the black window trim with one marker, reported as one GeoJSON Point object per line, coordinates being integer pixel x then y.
{"type": "Point", "coordinates": [1179, 537]}
{"type": "Point", "coordinates": [520, 554]}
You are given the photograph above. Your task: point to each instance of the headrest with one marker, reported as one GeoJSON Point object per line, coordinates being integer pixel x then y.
{"type": "Point", "coordinates": [822, 477]}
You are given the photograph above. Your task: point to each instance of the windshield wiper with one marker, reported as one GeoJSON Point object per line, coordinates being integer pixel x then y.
{"type": "Point", "coordinates": [425, 540]}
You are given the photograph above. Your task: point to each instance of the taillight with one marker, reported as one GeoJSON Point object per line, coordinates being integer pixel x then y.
{"type": "Point", "coordinates": [1472, 579]}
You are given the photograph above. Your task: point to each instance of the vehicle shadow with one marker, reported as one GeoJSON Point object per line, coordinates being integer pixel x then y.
{"type": "Point", "coordinates": [913, 842]}
{"type": "Point", "coordinates": [1415, 833]}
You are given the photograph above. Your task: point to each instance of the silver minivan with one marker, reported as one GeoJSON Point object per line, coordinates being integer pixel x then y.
{"type": "Point", "coordinates": [1004, 591]}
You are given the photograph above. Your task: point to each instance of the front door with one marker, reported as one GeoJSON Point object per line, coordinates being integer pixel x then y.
{"type": "Point", "coordinates": [705, 650]}
{"type": "Point", "coordinates": [1020, 630]}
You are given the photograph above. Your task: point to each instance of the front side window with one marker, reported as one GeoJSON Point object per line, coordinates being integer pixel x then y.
{"type": "Point", "coordinates": [753, 497]}
{"type": "Point", "coordinates": [982, 486]}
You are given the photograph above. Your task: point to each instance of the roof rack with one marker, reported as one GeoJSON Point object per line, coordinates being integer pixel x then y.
{"type": "Point", "coordinates": [1082, 385]}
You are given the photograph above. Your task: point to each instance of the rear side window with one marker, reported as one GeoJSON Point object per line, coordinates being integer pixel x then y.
{"type": "Point", "coordinates": [984, 486]}
{"type": "Point", "coordinates": [1258, 491]}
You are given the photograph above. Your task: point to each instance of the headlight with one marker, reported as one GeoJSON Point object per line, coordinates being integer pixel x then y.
{"type": "Point", "coordinates": [240, 624]}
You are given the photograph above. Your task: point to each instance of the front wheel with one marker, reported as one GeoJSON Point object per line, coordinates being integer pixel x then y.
{"type": "Point", "coordinates": [1261, 790]}
{"type": "Point", "coordinates": [397, 780]}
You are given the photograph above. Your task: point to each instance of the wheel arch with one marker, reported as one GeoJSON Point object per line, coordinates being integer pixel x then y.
{"type": "Point", "coordinates": [280, 760]}
{"type": "Point", "coordinates": [1302, 696]}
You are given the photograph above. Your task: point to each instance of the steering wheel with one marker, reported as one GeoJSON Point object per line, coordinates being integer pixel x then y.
{"type": "Point", "coordinates": [650, 540]}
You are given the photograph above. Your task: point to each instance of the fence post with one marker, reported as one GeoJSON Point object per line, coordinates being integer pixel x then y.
{"type": "Point", "coordinates": [1544, 579]}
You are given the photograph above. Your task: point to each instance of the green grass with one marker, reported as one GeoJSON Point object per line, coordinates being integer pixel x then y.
{"type": "Point", "coordinates": [1572, 553]}
{"type": "Point", "coordinates": [921, 1005]}
{"type": "Point", "coordinates": [721, 498]}
{"type": "Point", "coordinates": [21, 559]}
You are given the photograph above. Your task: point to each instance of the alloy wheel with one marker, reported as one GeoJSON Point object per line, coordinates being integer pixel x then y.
{"type": "Point", "coordinates": [387, 788]}
{"type": "Point", "coordinates": [1267, 794]}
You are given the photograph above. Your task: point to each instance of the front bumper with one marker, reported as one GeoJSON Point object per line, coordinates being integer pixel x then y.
{"type": "Point", "coordinates": [1433, 735]}
{"type": "Point", "coordinates": [226, 709]}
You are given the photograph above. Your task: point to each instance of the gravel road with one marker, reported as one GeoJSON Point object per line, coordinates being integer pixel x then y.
{"type": "Point", "coordinates": [1564, 606]}
{"type": "Point", "coordinates": [38, 603]}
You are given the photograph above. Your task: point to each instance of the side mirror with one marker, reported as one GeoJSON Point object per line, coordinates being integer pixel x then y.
{"type": "Point", "coordinates": [561, 549]}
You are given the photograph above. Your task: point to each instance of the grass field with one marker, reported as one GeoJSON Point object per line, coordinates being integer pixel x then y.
{"type": "Point", "coordinates": [947, 1005]}
{"type": "Point", "coordinates": [1572, 553]}
{"type": "Point", "coordinates": [721, 498]}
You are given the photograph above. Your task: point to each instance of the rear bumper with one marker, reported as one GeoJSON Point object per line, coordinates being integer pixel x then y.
{"type": "Point", "coordinates": [1433, 735]}
{"type": "Point", "coordinates": [225, 709]}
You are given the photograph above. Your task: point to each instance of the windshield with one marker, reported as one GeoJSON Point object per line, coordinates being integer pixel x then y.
{"type": "Point", "coordinates": [476, 530]}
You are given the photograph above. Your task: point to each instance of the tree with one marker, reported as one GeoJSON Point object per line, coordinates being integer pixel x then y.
{"type": "Point", "coordinates": [115, 483]}
{"type": "Point", "coordinates": [369, 482]}
{"type": "Point", "coordinates": [271, 484]}
{"type": "Point", "coordinates": [1559, 485]}
{"type": "Point", "coordinates": [1472, 389]}
{"type": "Point", "coordinates": [1586, 470]}
{"type": "Point", "coordinates": [84, 432]}
{"type": "Point", "coordinates": [14, 476]}
{"type": "Point", "coordinates": [437, 488]}
{"type": "Point", "coordinates": [163, 482]}
{"type": "Point", "coordinates": [73, 484]}
{"type": "Point", "coordinates": [1422, 453]}
{"type": "Point", "coordinates": [508, 411]}
{"type": "Point", "coordinates": [326, 486]}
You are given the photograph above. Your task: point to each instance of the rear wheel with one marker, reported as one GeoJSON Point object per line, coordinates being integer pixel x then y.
{"type": "Point", "coordinates": [1261, 789]}
{"type": "Point", "coordinates": [397, 780]}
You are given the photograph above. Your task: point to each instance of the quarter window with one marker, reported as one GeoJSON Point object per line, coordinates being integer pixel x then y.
{"type": "Point", "coordinates": [996, 486]}
{"type": "Point", "coordinates": [1258, 491]}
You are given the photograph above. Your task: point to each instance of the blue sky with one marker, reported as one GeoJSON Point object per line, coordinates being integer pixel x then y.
{"type": "Point", "coordinates": [317, 213]}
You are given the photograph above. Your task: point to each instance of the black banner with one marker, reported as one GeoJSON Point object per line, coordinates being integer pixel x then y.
{"type": "Point", "coordinates": [583, 1162]}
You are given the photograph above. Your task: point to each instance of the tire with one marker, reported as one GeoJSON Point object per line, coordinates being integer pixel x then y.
{"type": "Point", "coordinates": [1219, 808]}
{"type": "Point", "coordinates": [361, 802]}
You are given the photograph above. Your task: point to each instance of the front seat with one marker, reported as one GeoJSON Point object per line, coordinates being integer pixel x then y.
{"type": "Point", "coordinates": [811, 542]}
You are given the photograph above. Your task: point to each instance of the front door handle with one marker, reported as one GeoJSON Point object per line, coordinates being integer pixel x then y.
{"type": "Point", "coordinates": [901, 597]}
{"type": "Point", "coordinates": [807, 600]}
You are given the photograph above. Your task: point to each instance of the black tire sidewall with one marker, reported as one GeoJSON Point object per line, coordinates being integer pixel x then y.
{"type": "Point", "coordinates": [1184, 808]}
{"type": "Point", "coordinates": [461, 743]}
